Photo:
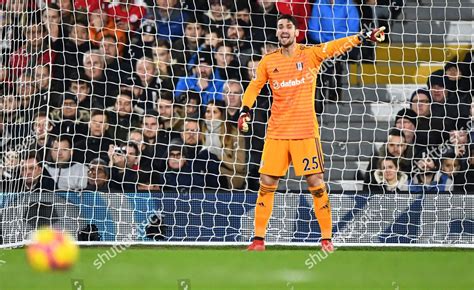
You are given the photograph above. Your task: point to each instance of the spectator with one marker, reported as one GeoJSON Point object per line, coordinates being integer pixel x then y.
{"type": "Point", "coordinates": [126, 13]}
{"type": "Point", "coordinates": [12, 37]}
{"type": "Point", "coordinates": [27, 88]}
{"type": "Point", "coordinates": [69, 120]}
{"type": "Point", "coordinates": [170, 17]}
{"type": "Point", "coordinates": [81, 88]}
{"type": "Point", "coordinates": [168, 69]}
{"type": "Point", "coordinates": [388, 177]}
{"type": "Point", "coordinates": [151, 85]}
{"type": "Point", "coordinates": [191, 137]}
{"type": "Point", "coordinates": [35, 49]}
{"type": "Point", "coordinates": [117, 69]}
{"type": "Point", "coordinates": [396, 147]}
{"type": "Point", "coordinates": [449, 172]}
{"type": "Point", "coordinates": [35, 177]}
{"type": "Point", "coordinates": [223, 141]}
{"type": "Point", "coordinates": [192, 102]}
{"type": "Point", "coordinates": [67, 174]}
{"type": "Point", "coordinates": [424, 176]}
{"type": "Point", "coordinates": [264, 16]}
{"type": "Point", "coordinates": [203, 80]}
{"type": "Point", "coordinates": [212, 38]}
{"type": "Point", "coordinates": [67, 8]}
{"type": "Point", "coordinates": [429, 131]}
{"type": "Point", "coordinates": [122, 117]}
{"type": "Point", "coordinates": [94, 66]}
{"type": "Point", "coordinates": [124, 160]}
{"type": "Point", "coordinates": [74, 48]}
{"type": "Point", "coordinates": [330, 20]}
{"type": "Point", "coordinates": [97, 142]}
{"type": "Point", "coordinates": [98, 176]}
{"type": "Point", "coordinates": [237, 36]}
{"type": "Point", "coordinates": [170, 120]}
{"type": "Point", "coordinates": [136, 137]}
{"type": "Point", "coordinates": [233, 99]}
{"type": "Point", "coordinates": [203, 162]}
{"type": "Point", "coordinates": [219, 16]}
{"type": "Point", "coordinates": [101, 23]}
{"type": "Point", "coordinates": [459, 139]}
{"type": "Point", "coordinates": [184, 48]}
{"type": "Point", "coordinates": [459, 97]}
{"type": "Point", "coordinates": [406, 121]}
{"type": "Point", "coordinates": [179, 175]}
{"type": "Point", "coordinates": [142, 45]}
{"type": "Point", "coordinates": [41, 127]}
{"type": "Point", "coordinates": [227, 67]}
{"type": "Point", "coordinates": [386, 10]}
{"type": "Point", "coordinates": [155, 142]}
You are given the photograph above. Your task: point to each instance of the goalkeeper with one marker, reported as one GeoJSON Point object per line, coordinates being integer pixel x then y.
{"type": "Point", "coordinates": [293, 131]}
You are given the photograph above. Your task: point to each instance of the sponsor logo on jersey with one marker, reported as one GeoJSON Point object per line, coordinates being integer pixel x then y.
{"type": "Point", "coordinates": [287, 84]}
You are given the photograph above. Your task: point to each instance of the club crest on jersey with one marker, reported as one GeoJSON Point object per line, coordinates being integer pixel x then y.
{"type": "Point", "coordinates": [299, 65]}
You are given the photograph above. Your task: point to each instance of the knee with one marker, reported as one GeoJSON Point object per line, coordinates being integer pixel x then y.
{"type": "Point", "coordinates": [315, 180]}
{"type": "Point", "coordinates": [268, 181]}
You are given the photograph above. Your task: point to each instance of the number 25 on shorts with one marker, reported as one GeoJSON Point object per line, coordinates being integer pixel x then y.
{"type": "Point", "coordinates": [308, 165]}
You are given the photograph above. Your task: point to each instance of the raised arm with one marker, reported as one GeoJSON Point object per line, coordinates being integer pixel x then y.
{"type": "Point", "coordinates": [340, 46]}
{"type": "Point", "coordinates": [336, 47]}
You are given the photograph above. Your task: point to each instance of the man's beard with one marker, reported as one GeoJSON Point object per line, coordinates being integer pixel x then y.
{"type": "Point", "coordinates": [290, 43]}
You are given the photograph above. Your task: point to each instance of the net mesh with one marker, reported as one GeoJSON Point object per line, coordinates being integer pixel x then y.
{"type": "Point", "coordinates": [119, 120]}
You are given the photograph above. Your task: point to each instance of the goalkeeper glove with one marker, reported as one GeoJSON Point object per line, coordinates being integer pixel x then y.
{"type": "Point", "coordinates": [375, 35]}
{"type": "Point", "coordinates": [244, 118]}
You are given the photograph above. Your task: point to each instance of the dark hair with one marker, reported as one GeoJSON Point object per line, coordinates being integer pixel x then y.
{"type": "Point", "coordinates": [99, 112]}
{"type": "Point", "coordinates": [135, 146]}
{"type": "Point", "coordinates": [60, 139]}
{"type": "Point", "coordinates": [421, 92]}
{"type": "Point", "coordinates": [396, 132]}
{"type": "Point", "coordinates": [125, 93]}
{"type": "Point", "coordinates": [167, 96]}
{"type": "Point", "coordinates": [40, 114]}
{"type": "Point", "coordinates": [34, 155]}
{"type": "Point", "coordinates": [395, 161]}
{"type": "Point", "coordinates": [223, 43]}
{"type": "Point", "coordinates": [151, 113]}
{"type": "Point", "coordinates": [287, 17]}
{"type": "Point", "coordinates": [163, 42]}
{"type": "Point", "coordinates": [221, 105]}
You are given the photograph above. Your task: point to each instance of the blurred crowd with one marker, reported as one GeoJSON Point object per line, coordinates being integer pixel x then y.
{"type": "Point", "coordinates": [430, 147]}
{"type": "Point", "coordinates": [138, 95]}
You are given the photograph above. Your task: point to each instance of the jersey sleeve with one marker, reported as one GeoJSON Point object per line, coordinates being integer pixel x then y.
{"type": "Point", "coordinates": [256, 84]}
{"type": "Point", "coordinates": [336, 47]}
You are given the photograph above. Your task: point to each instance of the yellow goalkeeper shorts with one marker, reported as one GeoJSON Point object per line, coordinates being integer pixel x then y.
{"type": "Point", "coordinates": [306, 155]}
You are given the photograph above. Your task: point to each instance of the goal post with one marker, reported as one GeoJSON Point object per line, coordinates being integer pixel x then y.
{"type": "Point", "coordinates": [118, 123]}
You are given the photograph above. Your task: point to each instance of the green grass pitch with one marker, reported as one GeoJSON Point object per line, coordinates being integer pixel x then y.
{"type": "Point", "coordinates": [233, 268]}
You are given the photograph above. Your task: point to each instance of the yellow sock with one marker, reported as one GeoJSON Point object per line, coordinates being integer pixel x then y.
{"type": "Point", "coordinates": [263, 209]}
{"type": "Point", "coordinates": [322, 209]}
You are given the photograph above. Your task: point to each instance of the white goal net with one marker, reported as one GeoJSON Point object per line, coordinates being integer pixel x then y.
{"type": "Point", "coordinates": [118, 121]}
